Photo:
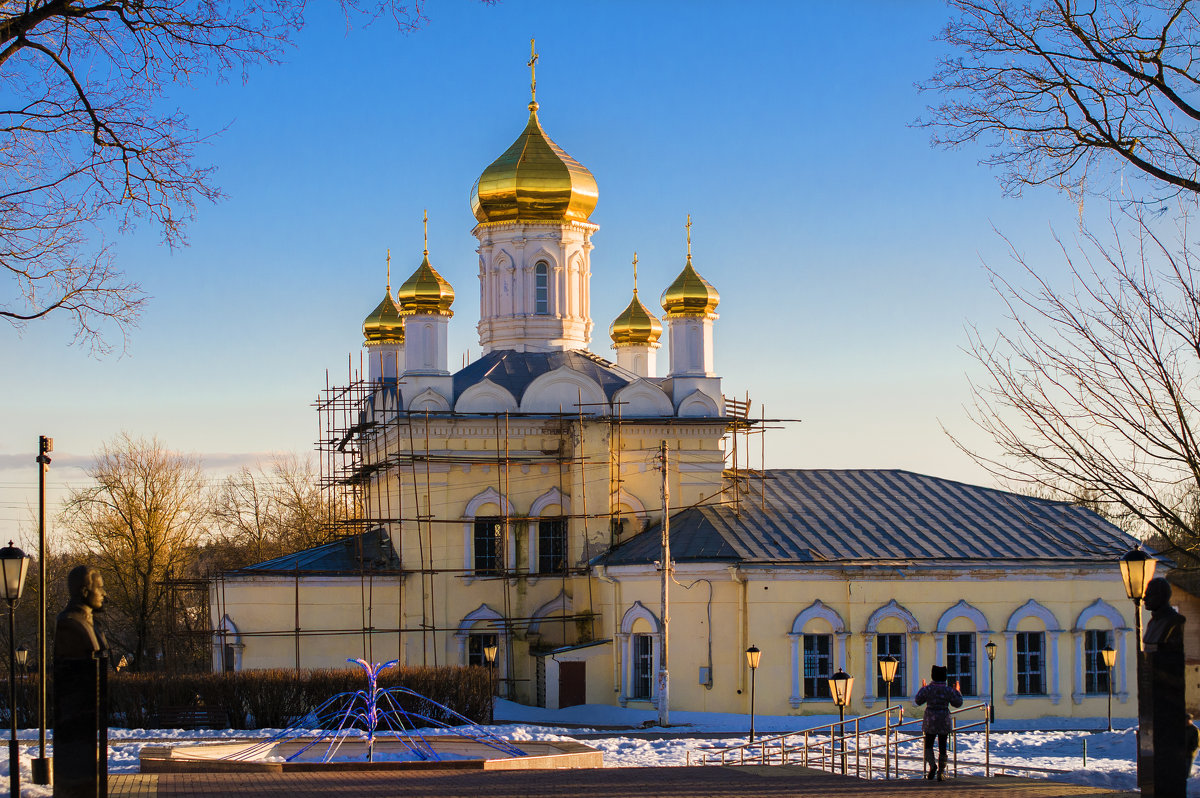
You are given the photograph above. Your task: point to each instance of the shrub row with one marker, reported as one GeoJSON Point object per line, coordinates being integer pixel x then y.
{"type": "Point", "coordinates": [268, 698]}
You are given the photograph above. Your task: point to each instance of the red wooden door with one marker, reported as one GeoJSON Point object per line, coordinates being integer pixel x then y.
{"type": "Point", "coordinates": [572, 684]}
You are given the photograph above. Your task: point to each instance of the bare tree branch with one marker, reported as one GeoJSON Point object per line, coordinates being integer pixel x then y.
{"type": "Point", "coordinates": [84, 142]}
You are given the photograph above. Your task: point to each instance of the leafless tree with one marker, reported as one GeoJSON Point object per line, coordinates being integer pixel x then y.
{"type": "Point", "coordinates": [137, 523]}
{"type": "Point", "coordinates": [1077, 94]}
{"type": "Point", "coordinates": [1093, 390]}
{"type": "Point", "coordinates": [275, 509]}
{"type": "Point", "coordinates": [86, 147]}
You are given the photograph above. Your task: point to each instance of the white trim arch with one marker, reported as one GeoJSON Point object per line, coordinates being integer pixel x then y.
{"type": "Point", "coordinates": [548, 499]}
{"type": "Point", "coordinates": [485, 497]}
{"type": "Point", "coordinates": [1101, 610]}
{"type": "Point", "coordinates": [227, 637]}
{"type": "Point", "coordinates": [643, 399]}
{"type": "Point", "coordinates": [429, 400]}
{"type": "Point", "coordinates": [559, 604]}
{"type": "Point", "coordinates": [818, 610]}
{"type": "Point", "coordinates": [485, 396]}
{"type": "Point", "coordinates": [698, 404]}
{"type": "Point", "coordinates": [636, 508]}
{"type": "Point", "coordinates": [983, 635]}
{"type": "Point", "coordinates": [1050, 627]}
{"type": "Point", "coordinates": [484, 614]}
{"type": "Point", "coordinates": [912, 648]}
{"type": "Point", "coordinates": [624, 639]}
{"type": "Point", "coordinates": [562, 391]}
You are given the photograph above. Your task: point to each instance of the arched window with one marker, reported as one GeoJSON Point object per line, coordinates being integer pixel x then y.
{"type": "Point", "coordinates": [541, 293]}
{"type": "Point", "coordinates": [1032, 634]}
{"type": "Point", "coordinates": [637, 641]}
{"type": "Point", "coordinates": [818, 637]}
{"type": "Point", "coordinates": [1100, 625]}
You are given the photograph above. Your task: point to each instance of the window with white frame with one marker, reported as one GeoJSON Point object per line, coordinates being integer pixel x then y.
{"type": "Point", "coordinates": [1095, 674]}
{"type": "Point", "coordinates": [487, 546]}
{"type": "Point", "coordinates": [541, 278]}
{"type": "Point", "coordinates": [641, 648]}
{"type": "Point", "coordinates": [960, 661]}
{"type": "Point", "coordinates": [476, 643]}
{"type": "Point", "coordinates": [891, 645]}
{"type": "Point", "coordinates": [1031, 663]}
{"type": "Point", "coordinates": [552, 546]}
{"type": "Point", "coordinates": [818, 665]}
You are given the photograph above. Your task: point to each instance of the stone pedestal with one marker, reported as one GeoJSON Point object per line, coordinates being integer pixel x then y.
{"type": "Point", "coordinates": [81, 727]}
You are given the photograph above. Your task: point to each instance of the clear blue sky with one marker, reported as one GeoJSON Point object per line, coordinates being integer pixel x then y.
{"type": "Point", "coordinates": [848, 252]}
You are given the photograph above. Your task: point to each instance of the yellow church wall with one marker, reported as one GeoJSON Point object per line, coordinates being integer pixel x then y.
{"type": "Point", "coordinates": [763, 610]}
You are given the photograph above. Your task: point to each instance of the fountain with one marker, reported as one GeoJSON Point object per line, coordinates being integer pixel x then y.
{"type": "Point", "coordinates": [371, 729]}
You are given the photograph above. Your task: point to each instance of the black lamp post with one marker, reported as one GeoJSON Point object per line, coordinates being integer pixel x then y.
{"type": "Point", "coordinates": [13, 566]}
{"type": "Point", "coordinates": [753, 655]}
{"type": "Point", "coordinates": [489, 656]}
{"type": "Point", "coordinates": [1109, 657]}
{"type": "Point", "coordinates": [991, 652]}
{"type": "Point", "coordinates": [1137, 569]}
{"type": "Point", "coordinates": [841, 685]}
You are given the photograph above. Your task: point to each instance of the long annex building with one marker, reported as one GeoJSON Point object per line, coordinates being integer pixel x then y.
{"type": "Point", "coordinates": [518, 502]}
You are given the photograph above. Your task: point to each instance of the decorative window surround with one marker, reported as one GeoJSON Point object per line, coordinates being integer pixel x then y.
{"type": "Point", "coordinates": [494, 624]}
{"type": "Point", "coordinates": [1032, 609]}
{"type": "Point", "coordinates": [624, 636]}
{"type": "Point", "coordinates": [912, 646]}
{"type": "Point", "coordinates": [1120, 630]}
{"type": "Point", "coordinates": [814, 611]}
{"type": "Point", "coordinates": [982, 636]}
{"type": "Point", "coordinates": [482, 499]}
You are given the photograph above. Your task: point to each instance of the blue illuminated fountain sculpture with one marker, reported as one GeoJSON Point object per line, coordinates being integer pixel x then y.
{"type": "Point", "coordinates": [378, 715]}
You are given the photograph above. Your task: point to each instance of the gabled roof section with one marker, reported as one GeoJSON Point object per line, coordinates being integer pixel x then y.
{"type": "Point", "coordinates": [864, 516]}
{"type": "Point", "coordinates": [515, 371]}
{"type": "Point", "coordinates": [370, 551]}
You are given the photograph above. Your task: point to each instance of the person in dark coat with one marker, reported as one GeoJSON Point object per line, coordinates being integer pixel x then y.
{"type": "Point", "coordinates": [937, 698]}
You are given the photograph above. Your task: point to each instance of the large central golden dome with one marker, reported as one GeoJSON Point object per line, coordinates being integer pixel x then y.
{"type": "Point", "coordinates": [534, 181]}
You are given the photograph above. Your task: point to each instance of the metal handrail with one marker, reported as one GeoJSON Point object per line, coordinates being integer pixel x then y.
{"type": "Point", "coordinates": [821, 747]}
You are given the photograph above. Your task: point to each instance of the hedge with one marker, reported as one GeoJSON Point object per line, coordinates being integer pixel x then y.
{"type": "Point", "coordinates": [259, 699]}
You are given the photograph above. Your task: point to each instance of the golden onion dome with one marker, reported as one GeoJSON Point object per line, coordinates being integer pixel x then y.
{"type": "Point", "coordinates": [636, 325]}
{"type": "Point", "coordinates": [534, 181]}
{"type": "Point", "coordinates": [426, 292]}
{"type": "Point", "coordinates": [690, 294]}
{"type": "Point", "coordinates": [385, 325]}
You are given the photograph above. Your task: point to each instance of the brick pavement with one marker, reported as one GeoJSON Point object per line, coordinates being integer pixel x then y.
{"type": "Point", "coordinates": [675, 782]}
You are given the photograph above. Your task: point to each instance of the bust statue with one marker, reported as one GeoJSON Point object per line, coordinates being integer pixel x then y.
{"type": "Point", "coordinates": [75, 635]}
{"type": "Point", "coordinates": [1165, 629]}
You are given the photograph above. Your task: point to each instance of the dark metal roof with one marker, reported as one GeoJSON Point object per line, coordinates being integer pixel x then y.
{"type": "Point", "coordinates": [826, 515]}
{"type": "Point", "coordinates": [514, 371]}
{"type": "Point", "coordinates": [370, 551]}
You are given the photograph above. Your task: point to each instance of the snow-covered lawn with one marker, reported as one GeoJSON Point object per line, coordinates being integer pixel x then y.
{"type": "Point", "coordinates": [629, 738]}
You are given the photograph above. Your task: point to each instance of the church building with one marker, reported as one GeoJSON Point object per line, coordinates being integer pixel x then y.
{"type": "Point", "coordinates": [514, 508]}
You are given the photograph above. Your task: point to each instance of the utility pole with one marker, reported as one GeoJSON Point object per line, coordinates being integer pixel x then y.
{"type": "Point", "coordinates": [41, 764]}
{"type": "Point", "coordinates": [664, 679]}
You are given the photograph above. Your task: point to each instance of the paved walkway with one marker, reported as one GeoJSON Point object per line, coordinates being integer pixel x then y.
{"type": "Point", "coordinates": [675, 782]}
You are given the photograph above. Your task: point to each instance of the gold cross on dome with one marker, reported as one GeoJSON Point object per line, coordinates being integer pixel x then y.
{"type": "Point", "coordinates": [533, 59]}
{"type": "Point", "coordinates": [689, 236]}
{"type": "Point", "coordinates": [389, 270]}
{"type": "Point", "coordinates": [635, 272]}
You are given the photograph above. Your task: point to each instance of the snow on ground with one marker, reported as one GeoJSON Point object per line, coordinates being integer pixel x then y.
{"type": "Point", "coordinates": [632, 738]}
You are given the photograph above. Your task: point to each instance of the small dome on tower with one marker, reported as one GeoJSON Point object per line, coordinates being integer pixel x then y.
{"type": "Point", "coordinates": [534, 180]}
{"type": "Point", "coordinates": [690, 294]}
{"type": "Point", "coordinates": [384, 325]}
{"type": "Point", "coordinates": [636, 325]}
{"type": "Point", "coordinates": [425, 292]}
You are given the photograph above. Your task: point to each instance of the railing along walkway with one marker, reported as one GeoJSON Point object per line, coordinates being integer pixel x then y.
{"type": "Point", "coordinates": [855, 747]}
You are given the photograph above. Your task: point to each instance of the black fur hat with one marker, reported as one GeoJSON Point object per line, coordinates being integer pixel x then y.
{"type": "Point", "coordinates": [939, 673]}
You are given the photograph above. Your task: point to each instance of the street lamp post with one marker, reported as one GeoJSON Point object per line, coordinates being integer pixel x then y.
{"type": "Point", "coordinates": [887, 672]}
{"type": "Point", "coordinates": [1137, 569]}
{"type": "Point", "coordinates": [41, 763]}
{"type": "Point", "coordinates": [489, 656]}
{"type": "Point", "coordinates": [991, 654]}
{"type": "Point", "coordinates": [1109, 656]}
{"type": "Point", "coordinates": [841, 685]}
{"type": "Point", "coordinates": [13, 566]}
{"type": "Point", "coordinates": [753, 655]}
{"type": "Point", "coordinates": [22, 658]}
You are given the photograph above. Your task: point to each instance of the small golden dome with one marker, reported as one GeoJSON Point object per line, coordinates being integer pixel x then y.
{"type": "Point", "coordinates": [534, 180]}
{"type": "Point", "coordinates": [690, 294]}
{"type": "Point", "coordinates": [636, 325]}
{"type": "Point", "coordinates": [384, 325]}
{"type": "Point", "coordinates": [426, 292]}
